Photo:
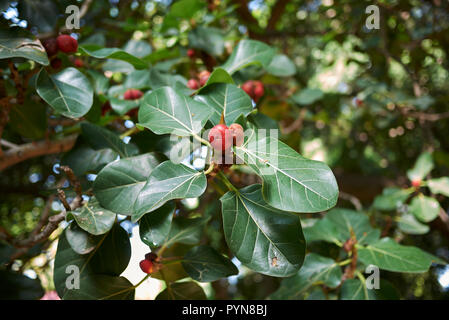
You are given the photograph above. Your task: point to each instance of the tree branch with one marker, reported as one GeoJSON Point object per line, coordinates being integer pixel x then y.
{"type": "Point", "coordinates": [35, 149]}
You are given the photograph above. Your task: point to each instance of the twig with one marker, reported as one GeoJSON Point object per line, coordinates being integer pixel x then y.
{"type": "Point", "coordinates": [73, 180]}
{"type": "Point", "coordinates": [35, 149]}
{"type": "Point", "coordinates": [349, 197]}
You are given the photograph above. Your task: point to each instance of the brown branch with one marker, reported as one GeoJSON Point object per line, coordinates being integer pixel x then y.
{"type": "Point", "coordinates": [73, 180]}
{"type": "Point", "coordinates": [36, 149]}
{"type": "Point", "coordinates": [276, 13]}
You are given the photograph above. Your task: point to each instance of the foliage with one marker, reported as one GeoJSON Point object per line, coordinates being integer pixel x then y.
{"type": "Point", "coordinates": [85, 168]}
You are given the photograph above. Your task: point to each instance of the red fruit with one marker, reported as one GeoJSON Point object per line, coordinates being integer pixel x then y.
{"type": "Point", "coordinates": [51, 46]}
{"type": "Point", "coordinates": [105, 108]}
{"type": "Point", "coordinates": [193, 84]}
{"type": "Point", "coordinates": [191, 53]}
{"type": "Point", "coordinates": [254, 89]}
{"type": "Point", "coordinates": [220, 137]}
{"type": "Point", "coordinates": [416, 183]}
{"type": "Point", "coordinates": [258, 90]}
{"type": "Point", "coordinates": [237, 134]}
{"type": "Point", "coordinates": [78, 63]}
{"type": "Point", "coordinates": [248, 88]}
{"type": "Point", "coordinates": [56, 63]}
{"type": "Point", "coordinates": [203, 76]}
{"type": "Point", "coordinates": [132, 94]}
{"type": "Point", "coordinates": [67, 44]}
{"type": "Point", "coordinates": [146, 266]}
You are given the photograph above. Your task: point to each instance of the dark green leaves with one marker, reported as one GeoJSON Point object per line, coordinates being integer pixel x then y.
{"type": "Point", "coordinates": [101, 266]}
{"type": "Point", "coordinates": [316, 270]}
{"type": "Point", "coordinates": [113, 53]}
{"type": "Point", "coordinates": [155, 227]}
{"type": "Point", "coordinates": [204, 264]}
{"type": "Point", "coordinates": [290, 181]}
{"type": "Point", "coordinates": [167, 111]}
{"type": "Point", "coordinates": [93, 218]}
{"type": "Point", "coordinates": [22, 47]}
{"type": "Point", "coordinates": [208, 39]}
{"type": "Point", "coordinates": [182, 291]}
{"type": "Point", "coordinates": [100, 138]}
{"type": "Point", "coordinates": [249, 52]}
{"type": "Point", "coordinates": [391, 256]}
{"type": "Point", "coordinates": [15, 286]}
{"type": "Point", "coordinates": [68, 92]}
{"type": "Point", "coordinates": [355, 289]}
{"type": "Point", "coordinates": [168, 181]}
{"type": "Point", "coordinates": [264, 239]}
{"type": "Point", "coordinates": [119, 183]}
{"type": "Point", "coordinates": [225, 99]}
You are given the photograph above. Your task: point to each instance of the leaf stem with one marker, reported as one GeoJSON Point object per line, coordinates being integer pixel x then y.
{"type": "Point", "coordinates": [227, 182]}
{"type": "Point", "coordinates": [344, 262]}
{"type": "Point", "coordinates": [129, 132]}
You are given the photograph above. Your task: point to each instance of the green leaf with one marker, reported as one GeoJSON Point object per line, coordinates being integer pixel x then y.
{"type": "Point", "coordinates": [439, 186]}
{"type": "Point", "coordinates": [307, 96]}
{"type": "Point", "coordinates": [100, 138]}
{"type": "Point", "coordinates": [99, 82]}
{"type": "Point", "coordinates": [68, 92]}
{"type": "Point", "coordinates": [185, 8]}
{"type": "Point", "coordinates": [16, 286]}
{"type": "Point", "coordinates": [290, 181]}
{"type": "Point", "coordinates": [81, 241]}
{"type": "Point", "coordinates": [422, 167]}
{"type": "Point", "coordinates": [424, 208]}
{"type": "Point", "coordinates": [112, 53]}
{"type": "Point", "coordinates": [121, 106]}
{"type": "Point", "coordinates": [323, 229]}
{"type": "Point", "coordinates": [12, 47]}
{"type": "Point", "coordinates": [346, 220]}
{"type": "Point", "coordinates": [119, 183]}
{"type": "Point", "coordinates": [29, 119]}
{"type": "Point", "coordinates": [208, 39]}
{"type": "Point", "coordinates": [155, 226]}
{"type": "Point", "coordinates": [204, 264]}
{"type": "Point", "coordinates": [263, 238]}
{"type": "Point", "coordinates": [316, 270]}
{"type": "Point", "coordinates": [168, 181]}
{"type": "Point", "coordinates": [281, 66]}
{"type": "Point", "coordinates": [159, 79]}
{"type": "Point", "coordinates": [165, 110]}
{"type": "Point", "coordinates": [391, 256]}
{"type": "Point", "coordinates": [249, 52]}
{"type": "Point", "coordinates": [93, 218]}
{"type": "Point", "coordinates": [182, 291]}
{"type": "Point", "coordinates": [185, 231]}
{"type": "Point", "coordinates": [391, 198]}
{"type": "Point", "coordinates": [105, 258]}
{"type": "Point", "coordinates": [102, 287]}
{"type": "Point", "coordinates": [219, 75]}
{"type": "Point", "coordinates": [227, 99]}
{"type": "Point", "coordinates": [83, 159]}
{"type": "Point", "coordinates": [409, 224]}
{"type": "Point", "coordinates": [355, 289]}
{"type": "Point", "coordinates": [263, 121]}
{"type": "Point", "coordinates": [114, 254]}
{"type": "Point", "coordinates": [138, 79]}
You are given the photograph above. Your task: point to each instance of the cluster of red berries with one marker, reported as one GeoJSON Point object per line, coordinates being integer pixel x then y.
{"type": "Point", "coordinates": [254, 89]}
{"type": "Point", "coordinates": [195, 84]}
{"type": "Point", "coordinates": [149, 264]}
{"type": "Point", "coordinates": [222, 138]}
{"type": "Point", "coordinates": [132, 94]}
{"type": "Point", "coordinates": [63, 43]}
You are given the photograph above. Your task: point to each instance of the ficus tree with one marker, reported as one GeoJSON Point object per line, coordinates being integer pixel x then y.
{"type": "Point", "coordinates": [177, 123]}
